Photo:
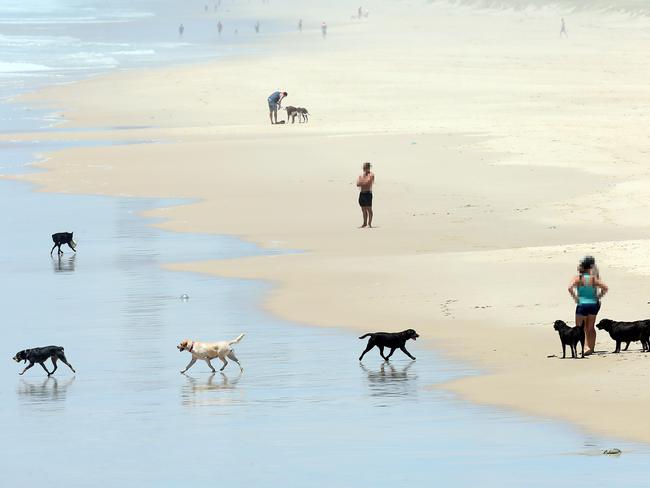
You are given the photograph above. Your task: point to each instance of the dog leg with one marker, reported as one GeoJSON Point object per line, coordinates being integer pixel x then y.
{"type": "Point", "coordinates": [563, 350]}
{"type": "Point", "coordinates": [43, 366]}
{"type": "Point", "coordinates": [29, 366]}
{"type": "Point", "coordinates": [403, 348]}
{"type": "Point", "coordinates": [191, 363]}
{"type": "Point", "coordinates": [71, 247]}
{"type": "Point", "coordinates": [392, 350]}
{"type": "Point", "coordinates": [626, 346]}
{"type": "Point", "coordinates": [231, 355]}
{"type": "Point", "coordinates": [368, 348]}
{"type": "Point", "coordinates": [53, 364]}
{"type": "Point", "coordinates": [210, 365]}
{"type": "Point", "coordinates": [65, 361]}
{"type": "Point", "coordinates": [52, 250]}
{"type": "Point", "coordinates": [618, 347]}
{"type": "Point", "coordinates": [381, 352]}
{"type": "Point", "coordinates": [225, 363]}
{"type": "Point", "coordinates": [582, 343]}
{"type": "Point", "coordinates": [574, 351]}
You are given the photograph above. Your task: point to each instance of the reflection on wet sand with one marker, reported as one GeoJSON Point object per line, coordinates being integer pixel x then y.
{"type": "Point", "coordinates": [43, 391]}
{"type": "Point", "coordinates": [197, 393]}
{"type": "Point", "coordinates": [390, 380]}
{"type": "Point", "coordinates": [63, 263]}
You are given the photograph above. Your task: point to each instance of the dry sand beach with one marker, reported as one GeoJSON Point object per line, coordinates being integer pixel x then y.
{"type": "Point", "coordinates": [503, 154]}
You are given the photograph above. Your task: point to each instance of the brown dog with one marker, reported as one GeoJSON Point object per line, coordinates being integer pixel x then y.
{"type": "Point", "coordinates": [210, 350]}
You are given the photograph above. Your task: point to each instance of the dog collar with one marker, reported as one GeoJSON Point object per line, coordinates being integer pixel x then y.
{"type": "Point", "coordinates": [191, 347]}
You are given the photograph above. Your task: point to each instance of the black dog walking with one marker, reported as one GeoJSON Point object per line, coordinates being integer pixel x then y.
{"type": "Point", "coordinates": [40, 355]}
{"type": "Point", "coordinates": [61, 238]}
{"type": "Point", "coordinates": [392, 340]}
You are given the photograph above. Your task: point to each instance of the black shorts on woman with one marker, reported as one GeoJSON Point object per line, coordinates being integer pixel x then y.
{"type": "Point", "coordinates": [588, 309]}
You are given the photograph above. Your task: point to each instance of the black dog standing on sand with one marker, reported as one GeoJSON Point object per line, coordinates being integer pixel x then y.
{"type": "Point", "coordinates": [61, 238]}
{"type": "Point", "coordinates": [627, 332]}
{"type": "Point", "coordinates": [392, 340]}
{"type": "Point", "coordinates": [571, 336]}
{"type": "Point", "coordinates": [40, 355]}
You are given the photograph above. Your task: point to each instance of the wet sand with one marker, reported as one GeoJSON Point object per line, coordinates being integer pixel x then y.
{"type": "Point", "coordinates": [499, 164]}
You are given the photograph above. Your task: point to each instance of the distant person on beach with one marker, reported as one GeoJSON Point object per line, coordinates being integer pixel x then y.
{"type": "Point", "coordinates": [181, 29]}
{"type": "Point", "coordinates": [360, 14]}
{"type": "Point", "coordinates": [219, 27]}
{"type": "Point", "coordinates": [563, 31]}
{"type": "Point", "coordinates": [300, 25]}
{"type": "Point", "coordinates": [275, 103]}
{"type": "Point", "coordinates": [587, 290]}
{"type": "Point", "coordinates": [323, 29]}
{"type": "Point", "coordinates": [257, 27]}
{"type": "Point", "coordinates": [364, 183]}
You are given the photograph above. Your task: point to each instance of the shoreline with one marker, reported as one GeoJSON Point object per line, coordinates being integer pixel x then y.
{"type": "Point", "coordinates": [475, 302]}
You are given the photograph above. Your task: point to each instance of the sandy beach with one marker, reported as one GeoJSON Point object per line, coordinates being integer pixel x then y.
{"type": "Point", "coordinates": [503, 154]}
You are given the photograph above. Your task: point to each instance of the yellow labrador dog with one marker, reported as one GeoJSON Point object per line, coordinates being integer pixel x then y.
{"type": "Point", "coordinates": [210, 350]}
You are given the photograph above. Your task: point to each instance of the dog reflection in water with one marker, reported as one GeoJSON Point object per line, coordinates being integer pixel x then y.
{"type": "Point", "coordinates": [202, 393]}
{"type": "Point", "coordinates": [48, 390]}
{"type": "Point", "coordinates": [64, 264]}
{"type": "Point", "coordinates": [390, 380]}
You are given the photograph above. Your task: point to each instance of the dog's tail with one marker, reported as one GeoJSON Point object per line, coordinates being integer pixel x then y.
{"type": "Point", "coordinates": [236, 341]}
{"type": "Point", "coordinates": [365, 335]}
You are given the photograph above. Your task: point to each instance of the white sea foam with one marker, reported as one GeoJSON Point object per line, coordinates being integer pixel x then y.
{"type": "Point", "coordinates": [87, 59]}
{"type": "Point", "coordinates": [117, 17]}
{"type": "Point", "coordinates": [134, 52]}
{"type": "Point", "coordinates": [6, 67]}
{"type": "Point", "coordinates": [37, 41]}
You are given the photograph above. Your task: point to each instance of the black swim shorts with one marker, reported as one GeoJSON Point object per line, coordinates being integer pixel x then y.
{"type": "Point", "coordinates": [588, 309]}
{"type": "Point", "coordinates": [365, 199]}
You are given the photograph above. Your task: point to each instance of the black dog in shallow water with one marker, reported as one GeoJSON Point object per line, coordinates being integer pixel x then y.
{"type": "Point", "coordinates": [392, 340]}
{"type": "Point", "coordinates": [61, 238]}
{"type": "Point", "coordinates": [571, 336]}
{"type": "Point", "coordinates": [40, 355]}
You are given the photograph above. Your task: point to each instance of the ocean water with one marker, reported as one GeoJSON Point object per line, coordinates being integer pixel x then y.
{"type": "Point", "coordinates": [304, 412]}
{"type": "Point", "coordinates": [56, 41]}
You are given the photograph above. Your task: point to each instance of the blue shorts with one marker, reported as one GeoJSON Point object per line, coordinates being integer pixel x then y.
{"type": "Point", "coordinates": [588, 309]}
{"type": "Point", "coordinates": [273, 106]}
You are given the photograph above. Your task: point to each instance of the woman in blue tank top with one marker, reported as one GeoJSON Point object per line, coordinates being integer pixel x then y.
{"type": "Point", "coordinates": [587, 289]}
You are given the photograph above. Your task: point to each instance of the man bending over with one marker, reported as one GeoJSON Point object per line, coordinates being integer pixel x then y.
{"type": "Point", "coordinates": [275, 103]}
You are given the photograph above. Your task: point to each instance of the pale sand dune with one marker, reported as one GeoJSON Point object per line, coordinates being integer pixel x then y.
{"type": "Point", "coordinates": [502, 153]}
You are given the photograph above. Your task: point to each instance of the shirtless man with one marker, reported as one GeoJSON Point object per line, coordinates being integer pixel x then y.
{"type": "Point", "coordinates": [365, 182]}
